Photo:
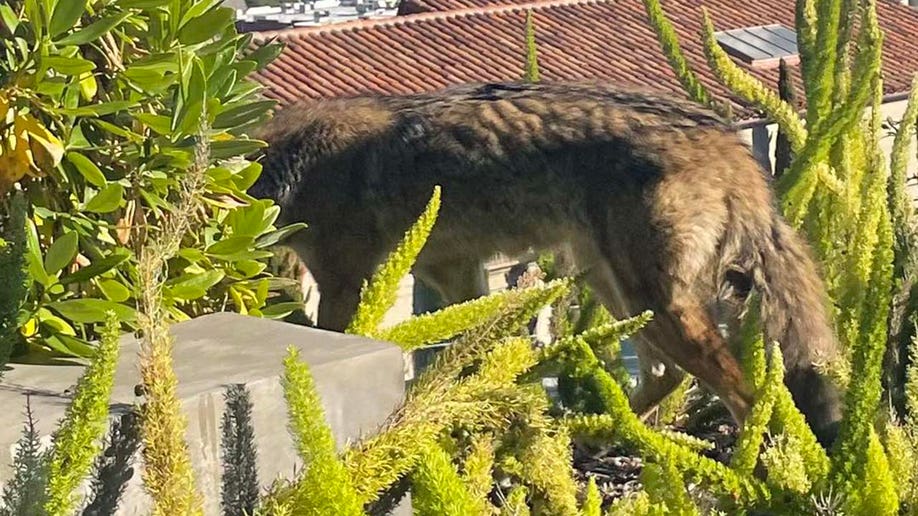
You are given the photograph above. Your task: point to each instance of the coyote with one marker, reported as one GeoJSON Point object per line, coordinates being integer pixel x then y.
{"type": "Point", "coordinates": [658, 200]}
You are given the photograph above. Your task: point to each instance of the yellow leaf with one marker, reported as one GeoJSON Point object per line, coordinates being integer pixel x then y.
{"type": "Point", "coordinates": [29, 328]}
{"type": "Point", "coordinates": [88, 86]}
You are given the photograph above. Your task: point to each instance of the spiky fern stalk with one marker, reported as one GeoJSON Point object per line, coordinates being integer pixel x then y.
{"type": "Point", "coordinates": [13, 273]}
{"type": "Point", "coordinates": [619, 422]}
{"type": "Point", "coordinates": [378, 296]}
{"type": "Point", "coordinates": [478, 466]}
{"type": "Point", "coordinates": [167, 472]}
{"type": "Point", "coordinates": [668, 39]}
{"type": "Point", "coordinates": [440, 490]}
{"type": "Point", "coordinates": [750, 439]}
{"type": "Point", "coordinates": [784, 153]}
{"type": "Point", "coordinates": [451, 321]}
{"type": "Point", "coordinates": [531, 74]}
{"type": "Point", "coordinates": [592, 503]}
{"type": "Point", "coordinates": [325, 487]}
{"type": "Point", "coordinates": [75, 442]}
{"type": "Point", "coordinates": [239, 486]}
{"type": "Point", "coordinates": [666, 488]}
{"type": "Point", "coordinates": [905, 270]}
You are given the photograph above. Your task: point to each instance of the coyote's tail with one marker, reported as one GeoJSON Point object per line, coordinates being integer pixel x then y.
{"type": "Point", "coordinates": [795, 314]}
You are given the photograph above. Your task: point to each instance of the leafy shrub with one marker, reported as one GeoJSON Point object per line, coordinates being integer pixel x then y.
{"type": "Point", "coordinates": [109, 104]}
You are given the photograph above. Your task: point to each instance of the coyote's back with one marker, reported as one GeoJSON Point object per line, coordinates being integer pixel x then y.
{"type": "Point", "coordinates": [659, 200]}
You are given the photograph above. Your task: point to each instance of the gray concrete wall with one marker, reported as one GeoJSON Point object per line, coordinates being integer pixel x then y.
{"type": "Point", "coordinates": [360, 381]}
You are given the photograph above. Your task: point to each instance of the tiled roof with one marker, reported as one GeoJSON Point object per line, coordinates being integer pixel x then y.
{"type": "Point", "coordinates": [483, 40]}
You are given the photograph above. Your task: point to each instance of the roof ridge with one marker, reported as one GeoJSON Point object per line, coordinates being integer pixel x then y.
{"type": "Point", "coordinates": [535, 5]}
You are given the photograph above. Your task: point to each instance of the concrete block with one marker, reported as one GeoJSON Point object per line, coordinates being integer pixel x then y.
{"type": "Point", "coordinates": [360, 381]}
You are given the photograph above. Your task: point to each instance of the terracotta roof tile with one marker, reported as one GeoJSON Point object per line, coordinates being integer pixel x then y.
{"type": "Point", "coordinates": [456, 41]}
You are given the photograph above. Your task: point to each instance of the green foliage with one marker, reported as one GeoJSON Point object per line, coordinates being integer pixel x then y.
{"type": "Point", "coordinates": [668, 39]}
{"type": "Point", "coordinates": [24, 494]}
{"type": "Point", "coordinates": [84, 423]}
{"type": "Point", "coordinates": [113, 95]}
{"type": "Point", "coordinates": [592, 503]}
{"type": "Point", "coordinates": [378, 296]}
{"type": "Point", "coordinates": [784, 154]}
{"type": "Point", "coordinates": [439, 490]}
{"type": "Point", "coordinates": [838, 190]}
{"type": "Point", "coordinates": [324, 487]}
{"type": "Point", "coordinates": [239, 487]}
{"type": "Point", "coordinates": [531, 73]}
{"type": "Point", "coordinates": [13, 274]}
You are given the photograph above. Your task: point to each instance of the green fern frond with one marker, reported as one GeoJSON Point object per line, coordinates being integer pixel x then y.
{"type": "Point", "coordinates": [478, 466]}
{"type": "Point", "coordinates": [668, 39]}
{"type": "Point", "coordinates": [547, 460]}
{"type": "Point", "coordinates": [751, 89]}
{"type": "Point", "coordinates": [76, 440]}
{"type": "Point", "coordinates": [756, 423]}
{"type": "Point", "coordinates": [592, 503]}
{"type": "Point", "coordinates": [665, 487]}
{"type": "Point", "coordinates": [325, 486]}
{"type": "Point", "coordinates": [448, 322]}
{"type": "Point", "coordinates": [438, 490]}
{"type": "Point", "coordinates": [515, 502]}
{"type": "Point", "coordinates": [378, 296]}
{"type": "Point", "coordinates": [899, 199]}
{"type": "Point", "coordinates": [437, 401]}
{"type": "Point", "coordinates": [785, 465]}
{"type": "Point", "coordinates": [531, 75]}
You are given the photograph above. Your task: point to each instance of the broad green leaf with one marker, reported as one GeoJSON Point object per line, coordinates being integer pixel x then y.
{"type": "Point", "coordinates": [107, 199]}
{"type": "Point", "coordinates": [242, 114]}
{"type": "Point", "coordinates": [118, 130]}
{"type": "Point", "coordinates": [206, 26]}
{"type": "Point", "coordinates": [114, 290]}
{"type": "Point", "coordinates": [36, 267]}
{"type": "Point", "coordinates": [65, 16]}
{"type": "Point", "coordinates": [159, 123]}
{"type": "Point", "coordinates": [54, 323]}
{"type": "Point", "coordinates": [194, 95]}
{"type": "Point", "coordinates": [142, 4]}
{"type": "Point", "coordinates": [68, 65]}
{"type": "Point", "coordinates": [245, 178]}
{"type": "Point", "coordinates": [69, 345]}
{"type": "Point", "coordinates": [62, 252]}
{"type": "Point", "coordinates": [249, 268]}
{"type": "Point", "coordinates": [231, 245]}
{"type": "Point", "coordinates": [98, 267]}
{"type": "Point", "coordinates": [280, 310]}
{"type": "Point", "coordinates": [87, 168]}
{"type": "Point", "coordinates": [249, 220]}
{"type": "Point", "coordinates": [192, 286]}
{"type": "Point", "coordinates": [103, 108]}
{"type": "Point", "coordinates": [93, 31]}
{"type": "Point", "coordinates": [91, 310]}
{"type": "Point", "coordinates": [9, 17]}
{"type": "Point", "coordinates": [197, 9]}
{"type": "Point", "coordinates": [192, 255]}
{"type": "Point", "coordinates": [265, 54]}
{"type": "Point", "coordinates": [278, 236]}
{"type": "Point", "coordinates": [222, 149]}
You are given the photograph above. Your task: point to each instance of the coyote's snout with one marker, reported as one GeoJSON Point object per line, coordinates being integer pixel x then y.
{"type": "Point", "coordinates": [660, 202]}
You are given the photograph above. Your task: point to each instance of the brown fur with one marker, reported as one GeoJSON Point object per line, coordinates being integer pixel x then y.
{"type": "Point", "coordinates": [659, 201]}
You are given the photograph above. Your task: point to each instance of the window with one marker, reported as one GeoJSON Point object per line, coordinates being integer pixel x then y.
{"type": "Point", "coordinates": [763, 46]}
